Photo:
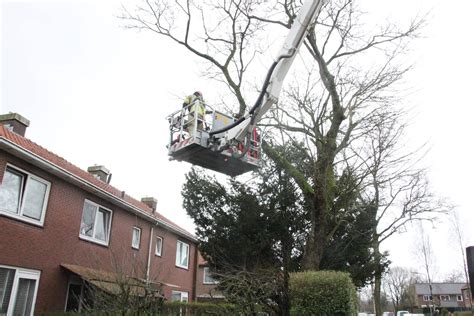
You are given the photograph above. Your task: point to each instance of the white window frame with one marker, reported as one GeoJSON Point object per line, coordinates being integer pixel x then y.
{"type": "Point", "coordinates": [159, 251]}
{"type": "Point", "coordinates": [459, 298]}
{"type": "Point", "coordinates": [21, 273]}
{"type": "Point", "coordinates": [93, 239]}
{"type": "Point", "coordinates": [426, 298]}
{"type": "Point", "coordinates": [139, 230]}
{"type": "Point", "coordinates": [184, 296]}
{"type": "Point", "coordinates": [444, 298]}
{"type": "Point", "coordinates": [178, 255]}
{"type": "Point", "coordinates": [74, 281]}
{"type": "Point", "coordinates": [207, 272]}
{"type": "Point", "coordinates": [20, 215]}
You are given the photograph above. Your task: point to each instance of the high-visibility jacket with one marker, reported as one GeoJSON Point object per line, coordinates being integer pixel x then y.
{"type": "Point", "coordinates": [196, 105]}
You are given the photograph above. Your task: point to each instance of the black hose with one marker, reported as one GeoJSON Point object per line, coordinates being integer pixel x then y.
{"type": "Point", "coordinates": [259, 101]}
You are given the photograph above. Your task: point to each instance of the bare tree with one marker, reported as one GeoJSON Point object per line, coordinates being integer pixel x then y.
{"type": "Point", "coordinates": [394, 184]}
{"type": "Point", "coordinates": [224, 34]}
{"type": "Point", "coordinates": [425, 253]}
{"type": "Point", "coordinates": [334, 105]}
{"type": "Point", "coordinates": [398, 282]}
{"type": "Point", "coordinates": [458, 235]}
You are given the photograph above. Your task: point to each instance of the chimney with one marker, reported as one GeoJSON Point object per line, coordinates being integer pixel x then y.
{"type": "Point", "coordinates": [151, 202]}
{"type": "Point", "coordinates": [15, 123]}
{"type": "Point", "coordinates": [100, 172]}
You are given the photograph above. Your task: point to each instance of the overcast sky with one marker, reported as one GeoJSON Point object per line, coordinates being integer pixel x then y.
{"type": "Point", "coordinates": [96, 93]}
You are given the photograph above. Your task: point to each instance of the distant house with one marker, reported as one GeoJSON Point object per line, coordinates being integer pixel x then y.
{"type": "Point", "coordinates": [206, 284]}
{"type": "Point", "coordinates": [448, 295]}
{"type": "Point", "coordinates": [62, 227]}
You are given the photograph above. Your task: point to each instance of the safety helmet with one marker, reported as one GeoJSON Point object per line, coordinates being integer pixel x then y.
{"type": "Point", "coordinates": [198, 94]}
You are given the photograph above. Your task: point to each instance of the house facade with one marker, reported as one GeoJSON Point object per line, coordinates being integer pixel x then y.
{"type": "Point", "coordinates": [206, 284]}
{"type": "Point", "coordinates": [441, 295]}
{"type": "Point", "coordinates": [62, 227]}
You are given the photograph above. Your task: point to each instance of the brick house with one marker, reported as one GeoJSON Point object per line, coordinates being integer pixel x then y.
{"type": "Point", "coordinates": [206, 285]}
{"type": "Point", "coordinates": [62, 227]}
{"type": "Point", "coordinates": [444, 295]}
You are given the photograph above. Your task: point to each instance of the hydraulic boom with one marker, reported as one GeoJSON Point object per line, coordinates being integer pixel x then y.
{"type": "Point", "coordinates": [218, 141]}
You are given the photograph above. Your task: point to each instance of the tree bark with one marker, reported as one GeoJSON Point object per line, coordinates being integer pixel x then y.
{"type": "Point", "coordinates": [377, 277]}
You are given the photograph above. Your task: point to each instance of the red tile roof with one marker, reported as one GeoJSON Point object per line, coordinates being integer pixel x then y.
{"type": "Point", "coordinates": [62, 163]}
{"type": "Point", "coordinates": [201, 260]}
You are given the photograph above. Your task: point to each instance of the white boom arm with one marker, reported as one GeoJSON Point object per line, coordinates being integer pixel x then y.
{"type": "Point", "coordinates": [295, 38]}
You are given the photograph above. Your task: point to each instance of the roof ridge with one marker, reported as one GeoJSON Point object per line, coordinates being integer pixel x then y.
{"type": "Point", "coordinates": [62, 163]}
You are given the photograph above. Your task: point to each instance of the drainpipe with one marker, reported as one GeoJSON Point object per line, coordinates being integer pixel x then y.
{"type": "Point", "coordinates": [149, 256]}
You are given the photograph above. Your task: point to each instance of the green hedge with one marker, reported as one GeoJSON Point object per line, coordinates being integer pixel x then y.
{"type": "Point", "coordinates": [322, 293]}
{"type": "Point", "coordinates": [463, 314]}
{"type": "Point", "coordinates": [171, 309]}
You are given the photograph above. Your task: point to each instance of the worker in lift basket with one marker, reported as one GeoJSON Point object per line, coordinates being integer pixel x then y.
{"type": "Point", "coordinates": [195, 105]}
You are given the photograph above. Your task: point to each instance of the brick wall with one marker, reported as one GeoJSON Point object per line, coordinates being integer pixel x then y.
{"type": "Point", "coordinates": [57, 242]}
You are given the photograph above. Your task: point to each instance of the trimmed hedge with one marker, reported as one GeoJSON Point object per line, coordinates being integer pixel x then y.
{"type": "Point", "coordinates": [322, 293]}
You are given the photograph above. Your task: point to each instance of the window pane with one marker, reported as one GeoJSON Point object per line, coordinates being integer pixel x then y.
{"type": "Point", "coordinates": [88, 217]}
{"type": "Point", "coordinates": [175, 297]}
{"type": "Point", "coordinates": [182, 254]}
{"type": "Point", "coordinates": [73, 297]}
{"type": "Point", "coordinates": [208, 276]}
{"type": "Point", "coordinates": [6, 283]}
{"type": "Point", "coordinates": [159, 242]}
{"type": "Point", "coordinates": [136, 238]}
{"type": "Point", "coordinates": [102, 225]}
{"type": "Point", "coordinates": [24, 297]}
{"type": "Point", "coordinates": [10, 191]}
{"type": "Point", "coordinates": [34, 199]}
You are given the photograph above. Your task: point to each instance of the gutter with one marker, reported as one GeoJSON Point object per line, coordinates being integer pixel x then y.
{"type": "Point", "coordinates": [20, 152]}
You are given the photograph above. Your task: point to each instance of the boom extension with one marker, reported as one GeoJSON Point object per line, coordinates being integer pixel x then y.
{"type": "Point", "coordinates": [216, 140]}
{"type": "Point", "coordinates": [294, 40]}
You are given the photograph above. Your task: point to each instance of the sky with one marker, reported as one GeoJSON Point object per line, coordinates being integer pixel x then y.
{"type": "Point", "coordinates": [98, 93]}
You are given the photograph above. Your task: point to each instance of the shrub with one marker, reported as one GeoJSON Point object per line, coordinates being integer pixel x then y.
{"type": "Point", "coordinates": [322, 293]}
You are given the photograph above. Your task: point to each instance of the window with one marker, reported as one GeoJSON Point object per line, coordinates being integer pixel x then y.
{"type": "Point", "coordinates": [459, 298]}
{"type": "Point", "coordinates": [177, 296]}
{"type": "Point", "coordinates": [182, 254]}
{"type": "Point", "coordinates": [18, 288]}
{"type": "Point", "coordinates": [79, 296]}
{"type": "Point", "coordinates": [427, 298]}
{"type": "Point", "coordinates": [208, 279]}
{"type": "Point", "coordinates": [136, 234]}
{"type": "Point", "coordinates": [95, 223]}
{"type": "Point", "coordinates": [159, 246]}
{"type": "Point", "coordinates": [24, 196]}
{"type": "Point", "coordinates": [444, 298]}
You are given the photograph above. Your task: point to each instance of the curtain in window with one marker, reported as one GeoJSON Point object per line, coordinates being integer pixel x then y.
{"type": "Point", "coordinates": [34, 199]}
{"type": "Point", "coordinates": [102, 225]}
{"type": "Point", "coordinates": [136, 238]}
{"type": "Point", "coordinates": [10, 191]}
{"type": "Point", "coordinates": [158, 246]}
{"type": "Point", "coordinates": [183, 254]}
{"type": "Point", "coordinates": [6, 284]}
{"type": "Point", "coordinates": [24, 297]}
{"type": "Point", "coordinates": [88, 218]}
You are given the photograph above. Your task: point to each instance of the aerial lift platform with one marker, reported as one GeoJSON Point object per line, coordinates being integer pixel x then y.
{"type": "Point", "coordinates": [191, 141]}
{"type": "Point", "coordinates": [231, 146]}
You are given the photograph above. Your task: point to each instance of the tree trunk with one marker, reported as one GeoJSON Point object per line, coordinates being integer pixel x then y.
{"type": "Point", "coordinates": [377, 276]}
{"type": "Point", "coordinates": [316, 241]}
{"type": "Point", "coordinates": [285, 305]}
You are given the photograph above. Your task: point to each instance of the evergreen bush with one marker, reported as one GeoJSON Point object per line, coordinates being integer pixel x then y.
{"type": "Point", "coordinates": [322, 293]}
